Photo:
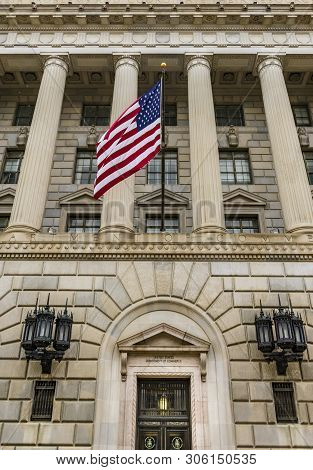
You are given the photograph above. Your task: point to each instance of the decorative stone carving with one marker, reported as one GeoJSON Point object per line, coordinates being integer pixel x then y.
{"type": "Point", "coordinates": [303, 137]}
{"type": "Point", "coordinates": [92, 137]}
{"type": "Point", "coordinates": [22, 137]}
{"type": "Point", "coordinates": [232, 137]}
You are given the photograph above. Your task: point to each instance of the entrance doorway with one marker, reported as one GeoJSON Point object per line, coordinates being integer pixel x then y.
{"type": "Point", "coordinates": [163, 414]}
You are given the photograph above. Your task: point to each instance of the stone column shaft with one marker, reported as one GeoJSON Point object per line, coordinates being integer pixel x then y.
{"type": "Point", "coordinates": [30, 200]}
{"type": "Point", "coordinates": [207, 197]}
{"type": "Point", "coordinates": [118, 202]}
{"type": "Point", "coordinates": [292, 180]}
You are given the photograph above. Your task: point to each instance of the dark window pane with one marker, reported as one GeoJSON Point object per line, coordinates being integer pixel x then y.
{"type": "Point", "coordinates": [170, 118]}
{"type": "Point", "coordinates": [235, 168]}
{"type": "Point", "coordinates": [153, 223]}
{"type": "Point", "coordinates": [242, 224]}
{"type": "Point", "coordinates": [308, 158]}
{"type": "Point", "coordinates": [229, 115]}
{"type": "Point", "coordinates": [83, 223]}
{"type": "Point", "coordinates": [86, 168]}
{"type": "Point", "coordinates": [154, 168]}
{"type": "Point", "coordinates": [24, 115]}
{"type": "Point", "coordinates": [4, 222]}
{"type": "Point", "coordinates": [43, 400]}
{"type": "Point", "coordinates": [284, 402]}
{"type": "Point", "coordinates": [11, 167]}
{"type": "Point", "coordinates": [96, 115]}
{"type": "Point", "coordinates": [302, 115]}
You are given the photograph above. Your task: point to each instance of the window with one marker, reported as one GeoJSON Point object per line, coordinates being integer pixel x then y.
{"type": "Point", "coordinates": [43, 400]}
{"type": "Point", "coordinates": [170, 117]}
{"type": "Point", "coordinates": [302, 115]}
{"type": "Point", "coordinates": [86, 167]}
{"type": "Point", "coordinates": [284, 402]}
{"type": "Point", "coordinates": [154, 168]}
{"type": "Point", "coordinates": [308, 158]}
{"type": "Point", "coordinates": [24, 115]}
{"type": "Point", "coordinates": [242, 224]}
{"type": "Point", "coordinates": [235, 167]}
{"type": "Point", "coordinates": [83, 223]}
{"type": "Point", "coordinates": [96, 115]}
{"type": "Point", "coordinates": [11, 167]}
{"type": "Point", "coordinates": [4, 222]}
{"type": "Point", "coordinates": [229, 115]}
{"type": "Point", "coordinates": [153, 223]}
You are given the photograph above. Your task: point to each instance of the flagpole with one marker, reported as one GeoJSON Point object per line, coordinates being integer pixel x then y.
{"type": "Point", "coordinates": [163, 147]}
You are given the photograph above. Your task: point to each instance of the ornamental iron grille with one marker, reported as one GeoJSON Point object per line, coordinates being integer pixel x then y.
{"type": "Point", "coordinates": [43, 400]}
{"type": "Point", "coordinates": [285, 406]}
{"type": "Point", "coordinates": [290, 342]}
{"type": "Point", "coordinates": [163, 414]}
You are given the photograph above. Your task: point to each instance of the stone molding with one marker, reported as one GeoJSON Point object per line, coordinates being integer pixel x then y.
{"type": "Point", "coordinates": [132, 60]}
{"type": "Point", "coordinates": [60, 61]}
{"type": "Point", "coordinates": [191, 60]}
{"type": "Point", "coordinates": [268, 61]}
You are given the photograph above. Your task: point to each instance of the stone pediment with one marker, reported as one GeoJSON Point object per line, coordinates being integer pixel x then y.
{"type": "Point", "coordinates": [241, 197]}
{"type": "Point", "coordinates": [7, 196]}
{"type": "Point", "coordinates": [154, 198]}
{"type": "Point", "coordinates": [83, 196]}
{"type": "Point", "coordinates": [161, 340]}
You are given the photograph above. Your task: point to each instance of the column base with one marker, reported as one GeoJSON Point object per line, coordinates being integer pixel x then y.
{"type": "Point", "coordinates": [209, 229]}
{"type": "Point", "coordinates": [21, 228]}
{"type": "Point", "coordinates": [116, 233]}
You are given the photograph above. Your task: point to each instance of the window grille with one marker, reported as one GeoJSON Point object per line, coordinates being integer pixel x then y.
{"type": "Point", "coordinates": [43, 400]}
{"type": "Point", "coordinates": [301, 115]}
{"type": "Point", "coordinates": [170, 115]}
{"type": "Point", "coordinates": [86, 167]}
{"type": "Point", "coordinates": [284, 402]}
{"type": "Point", "coordinates": [83, 223]}
{"type": "Point", "coordinates": [235, 167]}
{"type": "Point", "coordinates": [153, 223]}
{"type": "Point", "coordinates": [4, 222]}
{"type": "Point", "coordinates": [242, 224]}
{"type": "Point", "coordinates": [308, 159]}
{"type": "Point", "coordinates": [154, 168]}
{"type": "Point", "coordinates": [11, 168]}
{"type": "Point", "coordinates": [96, 115]}
{"type": "Point", "coordinates": [24, 115]}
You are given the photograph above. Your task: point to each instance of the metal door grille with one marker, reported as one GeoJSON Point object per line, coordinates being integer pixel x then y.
{"type": "Point", "coordinates": [43, 400]}
{"type": "Point", "coordinates": [284, 402]}
{"type": "Point", "coordinates": [159, 398]}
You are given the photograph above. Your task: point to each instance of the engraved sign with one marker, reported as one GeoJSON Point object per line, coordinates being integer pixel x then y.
{"type": "Point", "coordinates": [163, 360]}
{"type": "Point", "coordinates": [177, 443]}
{"type": "Point", "coordinates": [149, 442]}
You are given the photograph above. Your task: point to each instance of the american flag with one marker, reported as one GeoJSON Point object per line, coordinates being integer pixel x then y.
{"type": "Point", "coordinates": [131, 142]}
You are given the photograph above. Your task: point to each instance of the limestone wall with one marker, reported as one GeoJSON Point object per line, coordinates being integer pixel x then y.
{"type": "Point", "coordinates": [98, 291]}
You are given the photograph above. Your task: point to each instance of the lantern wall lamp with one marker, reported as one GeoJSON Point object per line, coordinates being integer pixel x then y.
{"type": "Point", "coordinates": [290, 340]}
{"type": "Point", "coordinates": [38, 335]}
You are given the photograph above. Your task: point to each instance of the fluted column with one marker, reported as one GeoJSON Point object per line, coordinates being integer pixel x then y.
{"type": "Point", "coordinates": [118, 202]}
{"type": "Point", "coordinates": [292, 180]}
{"type": "Point", "coordinates": [30, 199]}
{"type": "Point", "coordinates": [207, 198]}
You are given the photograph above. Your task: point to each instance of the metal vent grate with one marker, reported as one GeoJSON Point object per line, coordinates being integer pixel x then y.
{"type": "Point", "coordinates": [43, 400]}
{"type": "Point", "coordinates": [284, 402]}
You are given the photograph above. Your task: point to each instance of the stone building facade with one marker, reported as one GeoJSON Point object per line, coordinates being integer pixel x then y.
{"type": "Point", "coordinates": [149, 307]}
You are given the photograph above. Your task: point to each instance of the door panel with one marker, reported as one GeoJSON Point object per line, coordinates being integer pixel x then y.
{"type": "Point", "coordinates": [149, 439]}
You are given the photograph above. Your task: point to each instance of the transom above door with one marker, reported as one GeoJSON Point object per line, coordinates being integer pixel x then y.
{"type": "Point", "coordinates": [163, 414]}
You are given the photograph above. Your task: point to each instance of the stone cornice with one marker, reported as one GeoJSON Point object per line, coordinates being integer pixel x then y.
{"type": "Point", "coordinates": [225, 247]}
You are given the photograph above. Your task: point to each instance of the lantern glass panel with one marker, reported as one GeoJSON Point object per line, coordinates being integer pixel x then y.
{"type": "Point", "coordinates": [284, 331]}
{"type": "Point", "coordinates": [28, 334]}
{"type": "Point", "coordinates": [264, 334]}
{"type": "Point", "coordinates": [62, 333]}
{"type": "Point", "coordinates": [299, 333]}
{"type": "Point", "coordinates": [43, 333]}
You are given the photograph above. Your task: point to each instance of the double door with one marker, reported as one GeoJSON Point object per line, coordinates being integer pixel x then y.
{"type": "Point", "coordinates": [163, 414]}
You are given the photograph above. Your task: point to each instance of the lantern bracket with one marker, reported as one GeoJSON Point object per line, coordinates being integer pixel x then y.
{"type": "Point", "coordinates": [45, 357]}
{"type": "Point", "coordinates": [282, 358]}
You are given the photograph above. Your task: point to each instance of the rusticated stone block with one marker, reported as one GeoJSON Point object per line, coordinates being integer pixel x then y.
{"type": "Point", "coordinates": [235, 335]}
{"type": "Point", "coordinates": [267, 269]}
{"type": "Point", "coordinates": [4, 389]}
{"type": "Point", "coordinates": [75, 283]}
{"type": "Point", "coordinates": [87, 390]}
{"type": "Point", "coordinates": [244, 435]}
{"type": "Point", "coordinates": [229, 320]}
{"type": "Point", "coordinates": [221, 268]}
{"type": "Point", "coordinates": [304, 391]}
{"type": "Point", "coordinates": [301, 436]}
{"type": "Point", "coordinates": [60, 267]}
{"type": "Point", "coordinates": [78, 411]}
{"type": "Point", "coordinates": [10, 410]}
{"type": "Point", "coordinates": [21, 434]}
{"type": "Point", "coordinates": [272, 436]}
{"type": "Point", "coordinates": [40, 283]}
{"type": "Point", "coordinates": [21, 389]}
{"type": "Point", "coordinates": [83, 434]}
{"type": "Point", "coordinates": [97, 268]}
{"type": "Point", "coordinates": [56, 434]}
{"type": "Point", "coordinates": [251, 284]}
{"type": "Point", "coordinates": [82, 369]}
{"type": "Point", "coordinates": [12, 369]}
{"type": "Point", "coordinates": [261, 391]}
{"type": "Point", "coordinates": [240, 391]}
{"type": "Point", "coordinates": [246, 412]}
{"type": "Point", "coordinates": [67, 390]}
{"type": "Point", "coordinates": [25, 268]}
{"type": "Point", "coordinates": [244, 370]}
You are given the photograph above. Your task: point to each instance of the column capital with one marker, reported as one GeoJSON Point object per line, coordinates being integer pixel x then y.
{"type": "Point", "coordinates": [265, 60]}
{"type": "Point", "coordinates": [59, 60]}
{"type": "Point", "coordinates": [198, 59]}
{"type": "Point", "coordinates": [126, 59]}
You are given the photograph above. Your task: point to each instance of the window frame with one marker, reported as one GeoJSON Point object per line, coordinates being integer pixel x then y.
{"type": "Point", "coordinates": [86, 215]}
{"type": "Point", "coordinates": [158, 215]}
{"type": "Point", "coordinates": [6, 158]}
{"type": "Point", "coordinates": [294, 415]}
{"type": "Point", "coordinates": [159, 157]}
{"type": "Point", "coordinates": [234, 152]}
{"type": "Point", "coordinates": [85, 105]}
{"type": "Point", "coordinates": [45, 418]}
{"type": "Point", "coordinates": [2, 215]}
{"type": "Point", "coordinates": [14, 123]}
{"type": "Point", "coordinates": [242, 215]}
{"type": "Point", "coordinates": [78, 151]}
{"type": "Point", "coordinates": [230, 123]}
{"type": "Point", "coordinates": [168, 118]}
{"type": "Point", "coordinates": [306, 106]}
